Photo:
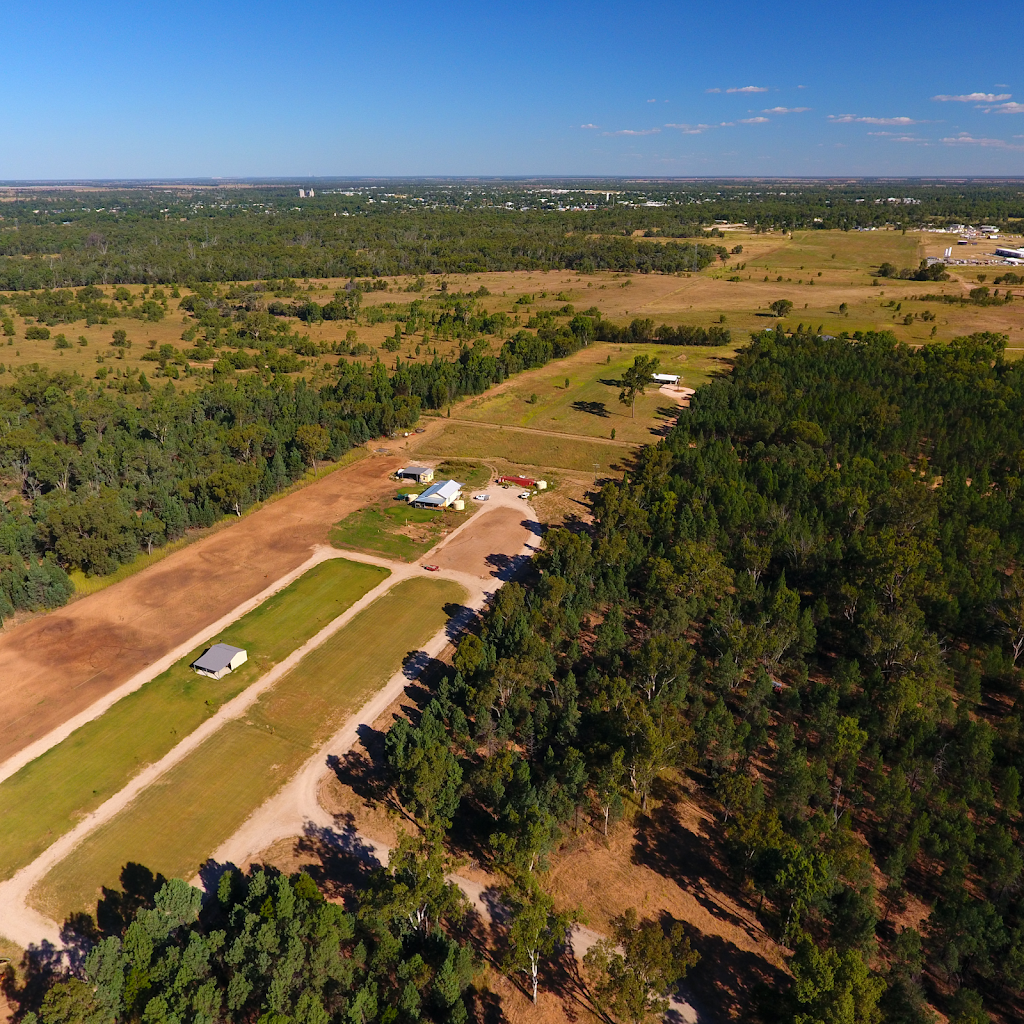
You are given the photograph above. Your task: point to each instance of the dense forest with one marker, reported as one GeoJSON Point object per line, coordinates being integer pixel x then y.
{"type": "Point", "coordinates": [180, 233]}
{"type": "Point", "coordinates": [808, 600]}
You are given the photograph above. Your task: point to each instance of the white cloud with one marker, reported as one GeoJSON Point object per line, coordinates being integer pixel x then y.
{"type": "Point", "coordinates": [966, 139]}
{"type": "Point", "coordinates": [786, 110]}
{"type": "Point", "coordinates": [754, 120]}
{"type": "Point", "coordinates": [1007, 108]}
{"type": "Point", "coordinates": [588, 125]}
{"type": "Point", "coordinates": [896, 137]}
{"type": "Point", "coordinates": [973, 97]}
{"type": "Point", "coordinates": [690, 129]}
{"type": "Point", "coordinates": [652, 101]}
{"type": "Point", "coordinates": [712, 90]}
{"type": "Point", "coordinates": [632, 131]}
{"type": "Point", "coordinates": [750, 88]}
{"type": "Point", "coordinates": [854, 119]}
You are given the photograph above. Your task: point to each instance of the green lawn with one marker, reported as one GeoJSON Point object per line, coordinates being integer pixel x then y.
{"type": "Point", "coordinates": [52, 793]}
{"type": "Point", "coordinates": [176, 824]}
{"type": "Point", "coordinates": [395, 530]}
{"type": "Point", "coordinates": [590, 404]}
{"type": "Point", "coordinates": [470, 474]}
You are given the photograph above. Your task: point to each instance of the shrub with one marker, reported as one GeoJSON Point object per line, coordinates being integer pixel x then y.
{"type": "Point", "coordinates": [37, 333]}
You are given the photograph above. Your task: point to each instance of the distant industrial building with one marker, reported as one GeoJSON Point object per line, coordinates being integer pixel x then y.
{"type": "Point", "coordinates": [1010, 254]}
{"type": "Point", "coordinates": [219, 660]}
{"type": "Point", "coordinates": [440, 495]}
{"type": "Point", "coordinates": [421, 474]}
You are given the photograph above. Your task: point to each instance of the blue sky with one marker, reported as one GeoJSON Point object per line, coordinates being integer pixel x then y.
{"type": "Point", "coordinates": [220, 88]}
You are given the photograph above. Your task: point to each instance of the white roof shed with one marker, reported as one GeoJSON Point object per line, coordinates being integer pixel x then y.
{"type": "Point", "coordinates": [219, 660]}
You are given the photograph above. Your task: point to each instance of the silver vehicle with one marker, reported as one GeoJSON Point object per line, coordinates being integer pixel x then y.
{"type": "Point", "coordinates": [481, 497]}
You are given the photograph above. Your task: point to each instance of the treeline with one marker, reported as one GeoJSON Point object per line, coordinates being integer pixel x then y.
{"type": "Point", "coordinates": [99, 477]}
{"type": "Point", "coordinates": [808, 598]}
{"type": "Point", "coordinates": [265, 947]}
{"type": "Point", "coordinates": [287, 245]}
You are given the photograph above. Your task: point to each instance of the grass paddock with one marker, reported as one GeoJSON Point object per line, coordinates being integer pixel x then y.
{"type": "Point", "coordinates": [52, 793]}
{"type": "Point", "coordinates": [174, 825]}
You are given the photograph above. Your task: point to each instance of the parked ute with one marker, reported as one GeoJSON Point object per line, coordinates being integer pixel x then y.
{"type": "Point", "coordinates": [481, 497]}
{"type": "Point", "coordinates": [431, 568]}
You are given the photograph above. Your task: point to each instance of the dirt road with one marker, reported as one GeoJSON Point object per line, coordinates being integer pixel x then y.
{"type": "Point", "coordinates": [509, 538]}
{"type": "Point", "coordinates": [55, 666]}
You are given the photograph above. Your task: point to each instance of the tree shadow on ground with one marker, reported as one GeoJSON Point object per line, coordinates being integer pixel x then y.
{"type": "Point", "coordinates": [341, 863]}
{"type": "Point", "coordinates": [40, 966]}
{"type": "Point", "coordinates": [532, 526]}
{"type": "Point", "coordinates": [726, 975]}
{"type": "Point", "coordinates": [593, 408]}
{"type": "Point", "coordinates": [507, 567]}
{"type": "Point", "coordinates": [460, 619]}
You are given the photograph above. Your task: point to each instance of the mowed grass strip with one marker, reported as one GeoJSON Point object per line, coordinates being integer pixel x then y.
{"type": "Point", "coordinates": [52, 793]}
{"type": "Point", "coordinates": [174, 825]}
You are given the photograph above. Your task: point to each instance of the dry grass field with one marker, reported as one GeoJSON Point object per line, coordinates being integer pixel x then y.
{"type": "Point", "coordinates": [174, 825]}
{"type": "Point", "coordinates": [589, 405]}
{"type": "Point", "coordinates": [816, 270]}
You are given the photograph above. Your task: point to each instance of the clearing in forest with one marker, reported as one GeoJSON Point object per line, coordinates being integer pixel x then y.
{"type": "Point", "coordinates": [589, 404]}
{"type": "Point", "coordinates": [51, 794]}
{"type": "Point", "coordinates": [175, 824]}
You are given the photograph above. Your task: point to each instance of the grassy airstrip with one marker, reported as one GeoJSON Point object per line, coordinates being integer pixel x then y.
{"type": "Point", "coordinates": [178, 822]}
{"type": "Point", "coordinates": [52, 793]}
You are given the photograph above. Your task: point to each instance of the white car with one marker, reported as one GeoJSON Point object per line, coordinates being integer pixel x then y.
{"type": "Point", "coordinates": [481, 497]}
{"type": "Point", "coordinates": [525, 494]}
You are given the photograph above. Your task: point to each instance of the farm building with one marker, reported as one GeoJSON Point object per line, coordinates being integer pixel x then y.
{"type": "Point", "coordinates": [523, 481]}
{"type": "Point", "coordinates": [665, 378]}
{"type": "Point", "coordinates": [439, 495]}
{"type": "Point", "coordinates": [219, 660]}
{"type": "Point", "coordinates": [421, 474]}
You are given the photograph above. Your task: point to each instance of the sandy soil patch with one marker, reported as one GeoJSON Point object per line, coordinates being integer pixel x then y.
{"type": "Point", "coordinates": [55, 666]}
{"type": "Point", "coordinates": [491, 546]}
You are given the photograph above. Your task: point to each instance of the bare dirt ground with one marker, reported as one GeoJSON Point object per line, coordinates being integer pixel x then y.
{"type": "Point", "coordinates": [493, 551]}
{"type": "Point", "coordinates": [54, 666]}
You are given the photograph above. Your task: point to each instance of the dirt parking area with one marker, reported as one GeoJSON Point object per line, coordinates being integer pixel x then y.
{"type": "Point", "coordinates": [492, 546]}
{"type": "Point", "coordinates": [54, 666]}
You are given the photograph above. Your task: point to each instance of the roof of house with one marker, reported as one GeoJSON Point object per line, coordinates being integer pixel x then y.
{"type": "Point", "coordinates": [217, 658]}
{"type": "Point", "coordinates": [672, 377]}
{"type": "Point", "coordinates": [439, 493]}
{"type": "Point", "coordinates": [415, 470]}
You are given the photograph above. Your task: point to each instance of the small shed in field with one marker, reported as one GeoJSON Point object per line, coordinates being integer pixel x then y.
{"type": "Point", "coordinates": [219, 660]}
{"type": "Point", "coordinates": [421, 474]}
{"type": "Point", "coordinates": [665, 378]}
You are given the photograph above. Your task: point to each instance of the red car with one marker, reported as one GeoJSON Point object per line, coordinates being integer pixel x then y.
{"type": "Point", "coordinates": [431, 568]}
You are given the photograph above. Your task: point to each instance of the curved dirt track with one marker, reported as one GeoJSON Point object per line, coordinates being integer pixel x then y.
{"type": "Point", "coordinates": [55, 666]}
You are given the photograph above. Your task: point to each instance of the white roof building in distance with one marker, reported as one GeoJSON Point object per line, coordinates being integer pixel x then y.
{"type": "Point", "coordinates": [421, 474]}
{"type": "Point", "coordinates": [440, 495]}
{"type": "Point", "coordinates": [219, 660]}
{"type": "Point", "coordinates": [665, 378]}
{"type": "Point", "coordinates": [1013, 254]}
